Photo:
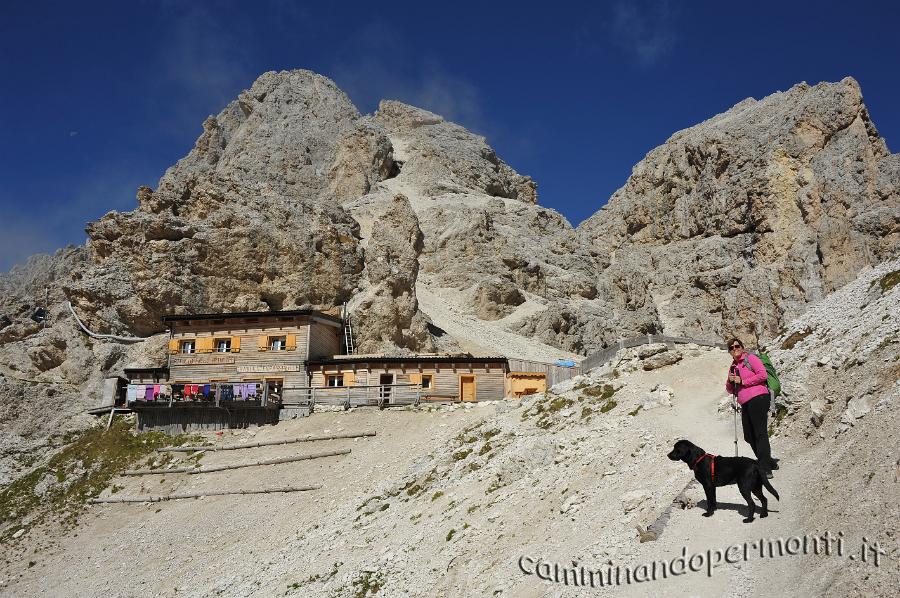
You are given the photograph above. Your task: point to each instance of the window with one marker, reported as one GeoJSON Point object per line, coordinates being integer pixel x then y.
{"type": "Point", "coordinates": [223, 345]}
{"type": "Point", "coordinates": [187, 346]}
{"type": "Point", "coordinates": [337, 380]}
{"type": "Point", "coordinates": [277, 343]}
{"type": "Point", "coordinates": [426, 381]}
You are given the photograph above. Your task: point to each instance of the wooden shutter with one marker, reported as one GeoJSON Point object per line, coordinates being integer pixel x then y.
{"type": "Point", "coordinates": [235, 344]}
{"type": "Point", "coordinates": [349, 378]}
{"type": "Point", "coordinates": [291, 342]}
{"type": "Point", "coordinates": [415, 378]}
{"type": "Point", "coordinates": [263, 343]}
{"type": "Point", "coordinates": [173, 346]}
{"type": "Point", "coordinates": [205, 345]}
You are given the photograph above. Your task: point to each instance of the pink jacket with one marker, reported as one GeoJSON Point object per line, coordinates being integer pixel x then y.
{"type": "Point", "coordinates": [753, 378]}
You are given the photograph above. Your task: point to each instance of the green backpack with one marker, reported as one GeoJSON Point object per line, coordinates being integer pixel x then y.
{"type": "Point", "coordinates": [772, 380]}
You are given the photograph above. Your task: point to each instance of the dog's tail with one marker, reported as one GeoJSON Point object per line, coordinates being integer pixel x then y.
{"type": "Point", "coordinates": [767, 485]}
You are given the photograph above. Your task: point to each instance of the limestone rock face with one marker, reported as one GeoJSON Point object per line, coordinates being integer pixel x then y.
{"type": "Point", "coordinates": [489, 249]}
{"type": "Point", "coordinates": [445, 157]}
{"type": "Point", "coordinates": [496, 299]}
{"type": "Point", "coordinates": [745, 218]}
{"type": "Point", "coordinates": [245, 221]}
{"type": "Point", "coordinates": [387, 314]}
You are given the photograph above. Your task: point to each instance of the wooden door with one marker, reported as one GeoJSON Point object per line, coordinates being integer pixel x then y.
{"type": "Point", "coordinates": [467, 388]}
{"type": "Point", "coordinates": [386, 380]}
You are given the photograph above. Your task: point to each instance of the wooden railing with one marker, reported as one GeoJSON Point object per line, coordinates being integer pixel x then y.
{"type": "Point", "coordinates": [382, 395]}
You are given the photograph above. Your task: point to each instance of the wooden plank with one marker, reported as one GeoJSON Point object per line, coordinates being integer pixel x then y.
{"type": "Point", "coordinates": [213, 468]}
{"type": "Point", "coordinates": [138, 499]}
{"type": "Point", "coordinates": [191, 449]}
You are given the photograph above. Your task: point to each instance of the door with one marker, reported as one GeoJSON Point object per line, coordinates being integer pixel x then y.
{"type": "Point", "coordinates": [467, 388]}
{"type": "Point", "coordinates": [385, 380]}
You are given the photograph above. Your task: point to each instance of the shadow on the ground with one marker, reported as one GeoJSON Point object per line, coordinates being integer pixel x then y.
{"type": "Point", "coordinates": [733, 506]}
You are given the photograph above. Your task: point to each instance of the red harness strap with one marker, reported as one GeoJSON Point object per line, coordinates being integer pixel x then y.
{"type": "Point", "coordinates": [712, 464]}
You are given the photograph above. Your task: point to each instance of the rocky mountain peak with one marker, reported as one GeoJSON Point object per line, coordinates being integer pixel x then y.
{"type": "Point", "coordinates": [756, 212]}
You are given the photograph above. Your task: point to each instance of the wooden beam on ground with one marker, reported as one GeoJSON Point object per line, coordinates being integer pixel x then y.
{"type": "Point", "coordinates": [211, 468]}
{"type": "Point", "coordinates": [190, 449]}
{"type": "Point", "coordinates": [97, 501]}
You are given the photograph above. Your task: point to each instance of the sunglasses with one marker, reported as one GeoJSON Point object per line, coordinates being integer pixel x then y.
{"type": "Point", "coordinates": [733, 347]}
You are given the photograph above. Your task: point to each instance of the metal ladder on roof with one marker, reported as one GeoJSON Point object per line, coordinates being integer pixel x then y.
{"type": "Point", "coordinates": [348, 331]}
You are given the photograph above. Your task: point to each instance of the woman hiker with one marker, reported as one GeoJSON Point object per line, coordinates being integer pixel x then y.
{"type": "Point", "coordinates": [747, 378]}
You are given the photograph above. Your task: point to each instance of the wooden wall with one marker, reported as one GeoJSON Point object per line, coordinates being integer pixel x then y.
{"type": "Point", "coordinates": [490, 378]}
{"type": "Point", "coordinates": [249, 358]}
{"type": "Point", "coordinates": [521, 382]}
{"type": "Point", "coordinates": [191, 418]}
{"type": "Point", "coordinates": [325, 339]}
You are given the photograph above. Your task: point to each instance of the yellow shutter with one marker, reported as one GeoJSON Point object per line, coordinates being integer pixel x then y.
{"type": "Point", "coordinates": [291, 342]}
{"type": "Point", "coordinates": [263, 343]}
{"type": "Point", "coordinates": [173, 346]}
{"type": "Point", "coordinates": [235, 344]}
{"type": "Point", "coordinates": [415, 378]}
{"type": "Point", "coordinates": [204, 345]}
{"type": "Point", "coordinates": [349, 378]}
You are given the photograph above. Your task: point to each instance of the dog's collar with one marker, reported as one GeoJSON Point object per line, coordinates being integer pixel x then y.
{"type": "Point", "coordinates": [712, 464]}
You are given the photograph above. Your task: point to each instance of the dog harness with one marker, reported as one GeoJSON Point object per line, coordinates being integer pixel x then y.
{"type": "Point", "coordinates": [712, 464]}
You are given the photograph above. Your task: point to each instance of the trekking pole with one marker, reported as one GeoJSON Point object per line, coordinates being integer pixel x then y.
{"type": "Point", "coordinates": [734, 408]}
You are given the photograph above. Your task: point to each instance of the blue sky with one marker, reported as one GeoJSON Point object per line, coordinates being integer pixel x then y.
{"type": "Point", "coordinates": [99, 98]}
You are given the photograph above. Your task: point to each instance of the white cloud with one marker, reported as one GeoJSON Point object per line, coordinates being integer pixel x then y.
{"type": "Point", "coordinates": [378, 65]}
{"type": "Point", "coordinates": [204, 65]}
{"type": "Point", "coordinates": [645, 30]}
{"type": "Point", "coordinates": [45, 226]}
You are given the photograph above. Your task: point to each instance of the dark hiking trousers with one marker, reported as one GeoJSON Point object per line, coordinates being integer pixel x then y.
{"type": "Point", "coordinates": [754, 414]}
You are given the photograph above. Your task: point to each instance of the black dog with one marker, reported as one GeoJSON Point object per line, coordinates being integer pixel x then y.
{"type": "Point", "coordinates": [712, 471]}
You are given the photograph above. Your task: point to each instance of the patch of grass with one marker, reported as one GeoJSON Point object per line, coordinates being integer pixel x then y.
{"type": "Point", "coordinates": [494, 486]}
{"type": "Point", "coordinates": [473, 466]}
{"type": "Point", "coordinates": [461, 454]}
{"type": "Point", "coordinates": [780, 413]}
{"type": "Point", "coordinates": [384, 507]}
{"type": "Point", "coordinates": [450, 534]}
{"type": "Point", "coordinates": [558, 404]}
{"type": "Point", "coordinates": [795, 338]}
{"type": "Point", "coordinates": [320, 577]}
{"type": "Point", "coordinates": [368, 500]}
{"type": "Point", "coordinates": [472, 509]}
{"type": "Point", "coordinates": [586, 412]}
{"type": "Point", "coordinates": [436, 495]}
{"type": "Point", "coordinates": [485, 449]}
{"type": "Point", "coordinates": [368, 583]}
{"type": "Point", "coordinates": [889, 340]}
{"type": "Point", "coordinates": [634, 411]}
{"type": "Point", "coordinates": [466, 436]}
{"type": "Point", "coordinates": [490, 434]}
{"type": "Point", "coordinates": [609, 405]}
{"type": "Point", "coordinates": [889, 281]}
{"type": "Point", "coordinates": [602, 392]}
{"type": "Point", "coordinates": [81, 469]}
{"type": "Point", "coordinates": [414, 489]}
